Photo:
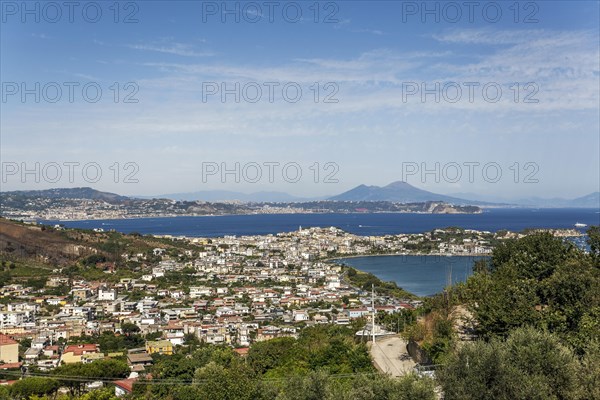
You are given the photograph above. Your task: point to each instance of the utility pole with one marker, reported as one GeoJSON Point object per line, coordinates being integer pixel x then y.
{"type": "Point", "coordinates": [373, 312]}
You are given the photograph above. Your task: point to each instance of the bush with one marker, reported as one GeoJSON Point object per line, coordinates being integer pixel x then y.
{"type": "Point", "coordinates": [529, 365]}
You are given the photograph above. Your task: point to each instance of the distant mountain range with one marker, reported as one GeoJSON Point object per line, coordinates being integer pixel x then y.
{"type": "Point", "coordinates": [398, 192]}
{"type": "Point", "coordinates": [401, 192]}
{"type": "Point", "coordinates": [406, 193]}
{"type": "Point", "coordinates": [70, 193]}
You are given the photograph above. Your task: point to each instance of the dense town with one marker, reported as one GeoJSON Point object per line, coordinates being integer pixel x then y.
{"type": "Point", "coordinates": [230, 290]}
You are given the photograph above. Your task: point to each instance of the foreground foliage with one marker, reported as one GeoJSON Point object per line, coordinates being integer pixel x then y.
{"type": "Point", "coordinates": [539, 281]}
{"type": "Point", "coordinates": [528, 365]}
{"type": "Point", "coordinates": [537, 310]}
{"type": "Point", "coordinates": [323, 363]}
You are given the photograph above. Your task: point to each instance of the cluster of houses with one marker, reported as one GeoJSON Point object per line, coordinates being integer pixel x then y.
{"type": "Point", "coordinates": [232, 290]}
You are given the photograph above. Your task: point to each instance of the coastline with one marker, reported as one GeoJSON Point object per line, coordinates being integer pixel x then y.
{"type": "Point", "coordinates": [363, 225]}
{"type": "Point", "coordinates": [441, 255]}
{"type": "Point", "coordinates": [39, 220]}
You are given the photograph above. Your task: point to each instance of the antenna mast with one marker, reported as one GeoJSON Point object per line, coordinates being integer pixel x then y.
{"type": "Point", "coordinates": [373, 312]}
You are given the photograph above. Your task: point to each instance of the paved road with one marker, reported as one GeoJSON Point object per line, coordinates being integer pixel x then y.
{"type": "Point", "coordinates": [390, 356]}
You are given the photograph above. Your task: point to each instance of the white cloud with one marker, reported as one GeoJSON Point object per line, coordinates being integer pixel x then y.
{"type": "Point", "coordinates": [178, 49]}
{"type": "Point", "coordinates": [371, 31]}
{"type": "Point", "coordinates": [40, 35]}
{"type": "Point", "coordinates": [489, 36]}
{"type": "Point", "coordinates": [563, 65]}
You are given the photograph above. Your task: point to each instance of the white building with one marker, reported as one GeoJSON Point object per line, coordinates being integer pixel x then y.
{"type": "Point", "coordinates": [15, 318]}
{"type": "Point", "coordinates": [199, 291]}
{"type": "Point", "coordinates": [105, 294]}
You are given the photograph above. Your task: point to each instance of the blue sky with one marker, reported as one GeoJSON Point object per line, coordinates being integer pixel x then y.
{"type": "Point", "coordinates": [368, 56]}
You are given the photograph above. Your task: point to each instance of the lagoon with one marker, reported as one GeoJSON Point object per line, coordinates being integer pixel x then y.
{"type": "Point", "coordinates": [421, 275]}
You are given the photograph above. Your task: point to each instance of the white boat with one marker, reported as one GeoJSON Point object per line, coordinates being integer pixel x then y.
{"type": "Point", "coordinates": [580, 225]}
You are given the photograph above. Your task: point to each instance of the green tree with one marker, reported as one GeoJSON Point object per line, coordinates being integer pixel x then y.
{"type": "Point", "coordinates": [191, 340]}
{"type": "Point", "coordinates": [534, 256]}
{"type": "Point", "coordinates": [590, 371]}
{"type": "Point", "coordinates": [129, 328]}
{"type": "Point", "coordinates": [593, 241]}
{"type": "Point", "coordinates": [529, 365]}
{"type": "Point", "coordinates": [538, 280]}
{"type": "Point", "coordinates": [314, 386]}
{"type": "Point", "coordinates": [101, 394]}
{"type": "Point", "coordinates": [92, 260]}
{"type": "Point", "coordinates": [216, 382]}
{"type": "Point", "coordinates": [267, 355]}
{"type": "Point", "coordinates": [381, 387]}
{"type": "Point", "coordinates": [29, 387]}
{"type": "Point", "coordinates": [70, 374]}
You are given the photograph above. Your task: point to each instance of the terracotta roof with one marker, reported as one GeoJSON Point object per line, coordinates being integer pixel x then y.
{"type": "Point", "coordinates": [79, 349]}
{"type": "Point", "coordinates": [242, 351]}
{"type": "Point", "coordinates": [174, 325]}
{"type": "Point", "coordinates": [126, 384]}
{"type": "Point", "coordinates": [5, 340]}
{"type": "Point", "coordinates": [10, 366]}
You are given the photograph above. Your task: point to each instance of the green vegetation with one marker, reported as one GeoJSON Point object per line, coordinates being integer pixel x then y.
{"type": "Point", "coordinates": [323, 363]}
{"type": "Point", "coordinates": [536, 309]}
{"type": "Point", "coordinates": [70, 374]}
{"type": "Point", "coordinates": [15, 270]}
{"type": "Point", "coordinates": [529, 365]}
{"type": "Point", "coordinates": [27, 388]}
{"type": "Point", "coordinates": [93, 260]}
{"type": "Point", "coordinates": [318, 385]}
{"type": "Point", "coordinates": [397, 322]}
{"type": "Point", "coordinates": [320, 347]}
{"type": "Point", "coordinates": [539, 281]}
{"type": "Point", "coordinates": [534, 312]}
{"type": "Point", "coordinates": [364, 280]}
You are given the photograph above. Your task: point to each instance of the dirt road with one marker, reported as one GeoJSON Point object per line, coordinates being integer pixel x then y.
{"type": "Point", "coordinates": [390, 356]}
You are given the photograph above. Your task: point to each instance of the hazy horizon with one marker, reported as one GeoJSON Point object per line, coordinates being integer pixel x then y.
{"type": "Point", "coordinates": [464, 195]}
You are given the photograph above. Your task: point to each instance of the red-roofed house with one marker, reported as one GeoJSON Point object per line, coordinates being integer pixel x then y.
{"type": "Point", "coordinates": [242, 351]}
{"type": "Point", "coordinates": [73, 353]}
{"type": "Point", "coordinates": [124, 387]}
